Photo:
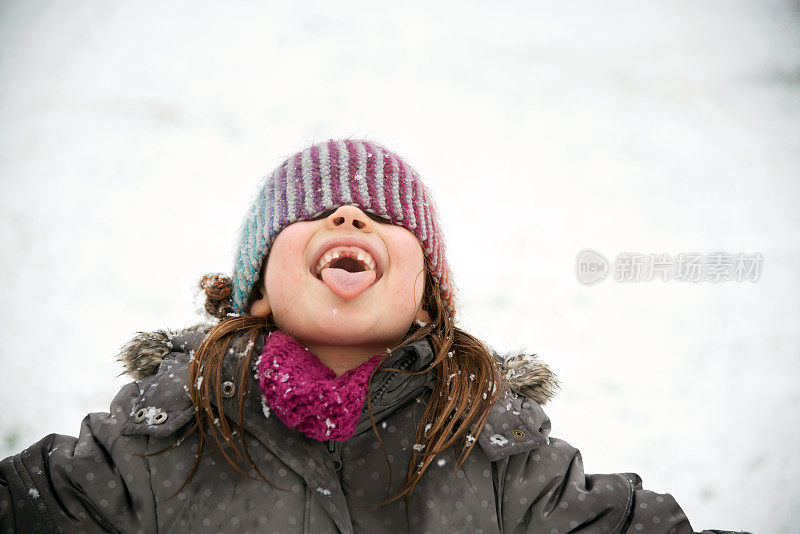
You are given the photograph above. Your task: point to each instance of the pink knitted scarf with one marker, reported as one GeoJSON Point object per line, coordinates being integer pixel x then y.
{"type": "Point", "coordinates": [307, 395]}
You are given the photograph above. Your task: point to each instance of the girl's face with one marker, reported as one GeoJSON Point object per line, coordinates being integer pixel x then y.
{"type": "Point", "coordinates": [368, 296]}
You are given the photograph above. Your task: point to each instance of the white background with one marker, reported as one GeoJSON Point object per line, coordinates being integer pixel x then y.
{"type": "Point", "coordinates": [135, 134]}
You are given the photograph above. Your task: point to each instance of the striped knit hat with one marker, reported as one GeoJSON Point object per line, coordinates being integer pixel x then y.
{"type": "Point", "coordinates": [325, 176]}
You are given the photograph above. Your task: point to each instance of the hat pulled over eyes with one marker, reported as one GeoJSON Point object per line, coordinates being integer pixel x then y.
{"type": "Point", "coordinates": [327, 175]}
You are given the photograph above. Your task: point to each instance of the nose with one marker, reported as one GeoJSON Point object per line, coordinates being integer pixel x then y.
{"type": "Point", "coordinates": [348, 217]}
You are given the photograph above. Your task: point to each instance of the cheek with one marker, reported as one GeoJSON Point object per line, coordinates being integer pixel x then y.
{"type": "Point", "coordinates": [285, 266]}
{"type": "Point", "coordinates": [409, 261]}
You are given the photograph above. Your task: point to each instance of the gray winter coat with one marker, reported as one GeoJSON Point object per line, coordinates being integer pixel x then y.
{"type": "Point", "coordinates": [517, 478]}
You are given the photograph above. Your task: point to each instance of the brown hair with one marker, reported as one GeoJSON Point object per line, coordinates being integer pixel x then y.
{"type": "Point", "coordinates": [468, 380]}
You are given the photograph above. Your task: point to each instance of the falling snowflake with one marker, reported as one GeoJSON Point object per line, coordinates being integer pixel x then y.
{"type": "Point", "coordinates": [323, 491]}
{"type": "Point", "coordinates": [199, 381]}
{"type": "Point", "coordinates": [470, 438]}
{"type": "Point", "coordinates": [440, 462]}
{"type": "Point", "coordinates": [421, 324]}
{"type": "Point", "coordinates": [33, 493]}
{"type": "Point", "coordinates": [418, 447]}
{"type": "Point", "coordinates": [427, 427]}
{"type": "Point", "coordinates": [471, 376]}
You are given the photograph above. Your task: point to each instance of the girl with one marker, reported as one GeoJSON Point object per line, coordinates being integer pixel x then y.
{"type": "Point", "coordinates": [334, 393]}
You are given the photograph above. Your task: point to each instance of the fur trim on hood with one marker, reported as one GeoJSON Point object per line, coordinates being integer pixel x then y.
{"type": "Point", "coordinates": [141, 356]}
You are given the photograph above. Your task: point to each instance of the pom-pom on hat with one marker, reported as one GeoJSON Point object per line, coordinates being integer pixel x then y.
{"type": "Point", "coordinates": [325, 176]}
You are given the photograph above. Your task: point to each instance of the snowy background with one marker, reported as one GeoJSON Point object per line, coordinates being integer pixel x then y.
{"type": "Point", "coordinates": [135, 134]}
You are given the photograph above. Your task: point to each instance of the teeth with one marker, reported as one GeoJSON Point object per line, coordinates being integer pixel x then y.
{"type": "Point", "coordinates": [361, 255]}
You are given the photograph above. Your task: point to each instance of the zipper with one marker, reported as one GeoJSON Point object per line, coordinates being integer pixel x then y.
{"type": "Point", "coordinates": [384, 385]}
{"type": "Point", "coordinates": [335, 447]}
{"type": "Point", "coordinates": [335, 450]}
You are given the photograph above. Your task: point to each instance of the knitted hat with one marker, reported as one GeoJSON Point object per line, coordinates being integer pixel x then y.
{"type": "Point", "coordinates": [325, 176]}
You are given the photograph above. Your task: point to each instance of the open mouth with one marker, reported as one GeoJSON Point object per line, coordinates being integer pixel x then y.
{"type": "Point", "coordinates": [347, 270]}
{"type": "Point", "coordinates": [347, 258]}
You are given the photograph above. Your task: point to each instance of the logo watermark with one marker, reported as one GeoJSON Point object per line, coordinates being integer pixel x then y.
{"type": "Point", "coordinates": [592, 267]}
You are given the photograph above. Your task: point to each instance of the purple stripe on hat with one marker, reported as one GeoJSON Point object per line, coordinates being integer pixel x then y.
{"type": "Point", "coordinates": [352, 170]}
{"type": "Point", "coordinates": [269, 207]}
{"type": "Point", "coordinates": [372, 180]}
{"type": "Point", "coordinates": [301, 211]}
{"type": "Point", "coordinates": [404, 191]}
{"type": "Point", "coordinates": [333, 159]}
{"type": "Point", "coordinates": [362, 179]}
{"type": "Point", "coordinates": [298, 186]}
{"type": "Point", "coordinates": [316, 182]}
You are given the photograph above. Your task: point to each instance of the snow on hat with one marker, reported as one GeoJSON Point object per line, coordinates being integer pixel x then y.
{"type": "Point", "coordinates": [325, 176]}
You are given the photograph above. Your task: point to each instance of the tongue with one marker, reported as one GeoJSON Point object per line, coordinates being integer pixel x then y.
{"type": "Point", "coordinates": [346, 284]}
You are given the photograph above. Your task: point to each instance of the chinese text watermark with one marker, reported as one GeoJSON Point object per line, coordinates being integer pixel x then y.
{"type": "Point", "coordinates": [592, 267]}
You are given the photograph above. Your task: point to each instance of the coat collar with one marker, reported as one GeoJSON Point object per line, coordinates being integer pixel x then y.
{"type": "Point", "coordinates": [516, 422]}
{"type": "Point", "coordinates": [388, 389]}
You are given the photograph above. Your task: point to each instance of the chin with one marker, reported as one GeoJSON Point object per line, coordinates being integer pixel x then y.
{"type": "Point", "coordinates": [346, 331]}
{"type": "Point", "coordinates": [352, 330]}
